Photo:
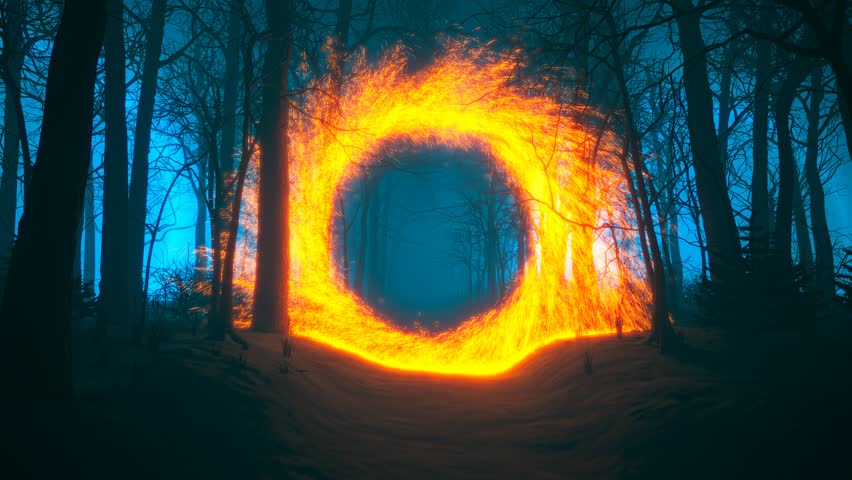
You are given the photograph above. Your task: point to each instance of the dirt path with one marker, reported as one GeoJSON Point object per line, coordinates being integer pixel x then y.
{"type": "Point", "coordinates": [194, 411]}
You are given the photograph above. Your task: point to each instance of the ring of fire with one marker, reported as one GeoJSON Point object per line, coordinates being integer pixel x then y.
{"type": "Point", "coordinates": [578, 279]}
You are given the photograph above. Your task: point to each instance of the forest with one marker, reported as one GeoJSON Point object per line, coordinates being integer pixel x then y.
{"type": "Point", "coordinates": [426, 238]}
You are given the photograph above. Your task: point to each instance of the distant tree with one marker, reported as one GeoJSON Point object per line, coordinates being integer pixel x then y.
{"type": "Point", "coordinates": [759, 221]}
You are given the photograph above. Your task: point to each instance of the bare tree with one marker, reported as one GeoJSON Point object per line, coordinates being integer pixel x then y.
{"type": "Point", "coordinates": [37, 300]}
{"type": "Point", "coordinates": [114, 285]}
{"type": "Point", "coordinates": [273, 242]}
{"type": "Point", "coordinates": [138, 193]}
{"type": "Point", "coordinates": [718, 217]}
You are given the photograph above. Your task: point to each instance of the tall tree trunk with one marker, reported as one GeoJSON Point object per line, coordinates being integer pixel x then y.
{"type": "Point", "coordinates": [221, 307]}
{"type": "Point", "coordinates": [273, 237]}
{"type": "Point", "coordinates": [14, 56]}
{"type": "Point", "coordinates": [114, 296]}
{"type": "Point", "coordinates": [229, 94]}
{"type": "Point", "coordinates": [718, 217]}
{"type": "Point", "coordinates": [695, 214]}
{"type": "Point", "coordinates": [672, 238]}
{"type": "Point", "coordinates": [787, 178]}
{"type": "Point", "coordinates": [661, 329]}
{"type": "Point", "coordinates": [669, 227]}
{"type": "Point", "coordinates": [759, 220]}
{"type": "Point", "coordinates": [138, 198]}
{"type": "Point", "coordinates": [36, 306]}
{"type": "Point", "coordinates": [226, 298]}
{"type": "Point", "coordinates": [803, 233]}
{"type": "Point", "coordinates": [824, 256]}
{"type": "Point", "coordinates": [89, 233]}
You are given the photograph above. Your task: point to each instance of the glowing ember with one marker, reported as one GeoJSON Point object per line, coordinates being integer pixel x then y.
{"type": "Point", "coordinates": [578, 279]}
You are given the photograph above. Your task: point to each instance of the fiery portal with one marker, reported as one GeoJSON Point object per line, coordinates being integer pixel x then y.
{"type": "Point", "coordinates": [580, 278]}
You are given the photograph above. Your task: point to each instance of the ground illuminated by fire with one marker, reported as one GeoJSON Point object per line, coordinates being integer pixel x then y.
{"type": "Point", "coordinates": [580, 278]}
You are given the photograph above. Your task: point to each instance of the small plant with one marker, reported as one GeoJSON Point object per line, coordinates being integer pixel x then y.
{"type": "Point", "coordinates": [286, 353]}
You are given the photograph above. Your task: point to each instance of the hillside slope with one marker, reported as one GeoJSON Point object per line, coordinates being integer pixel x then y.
{"type": "Point", "coordinates": [195, 410]}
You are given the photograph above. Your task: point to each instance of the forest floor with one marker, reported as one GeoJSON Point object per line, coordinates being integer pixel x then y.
{"type": "Point", "coordinates": [766, 408]}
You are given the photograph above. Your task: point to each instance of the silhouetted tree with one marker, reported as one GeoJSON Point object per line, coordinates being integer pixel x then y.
{"type": "Point", "coordinates": [36, 306]}
{"type": "Point", "coordinates": [273, 242]}
{"type": "Point", "coordinates": [138, 192]}
{"type": "Point", "coordinates": [114, 294]}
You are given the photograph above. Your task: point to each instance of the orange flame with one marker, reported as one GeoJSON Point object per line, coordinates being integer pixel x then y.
{"type": "Point", "coordinates": [574, 282]}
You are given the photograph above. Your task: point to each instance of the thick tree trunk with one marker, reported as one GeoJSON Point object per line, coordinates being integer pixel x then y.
{"type": "Point", "coordinates": [138, 198]}
{"type": "Point", "coordinates": [114, 284]}
{"type": "Point", "coordinates": [759, 220]}
{"type": "Point", "coordinates": [273, 238]}
{"type": "Point", "coordinates": [787, 178]}
{"type": "Point", "coordinates": [718, 217]}
{"type": "Point", "coordinates": [36, 306]}
{"type": "Point", "coordinates": [14, 56]}
{"type": "Point", "coordinates": [824, 255]}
